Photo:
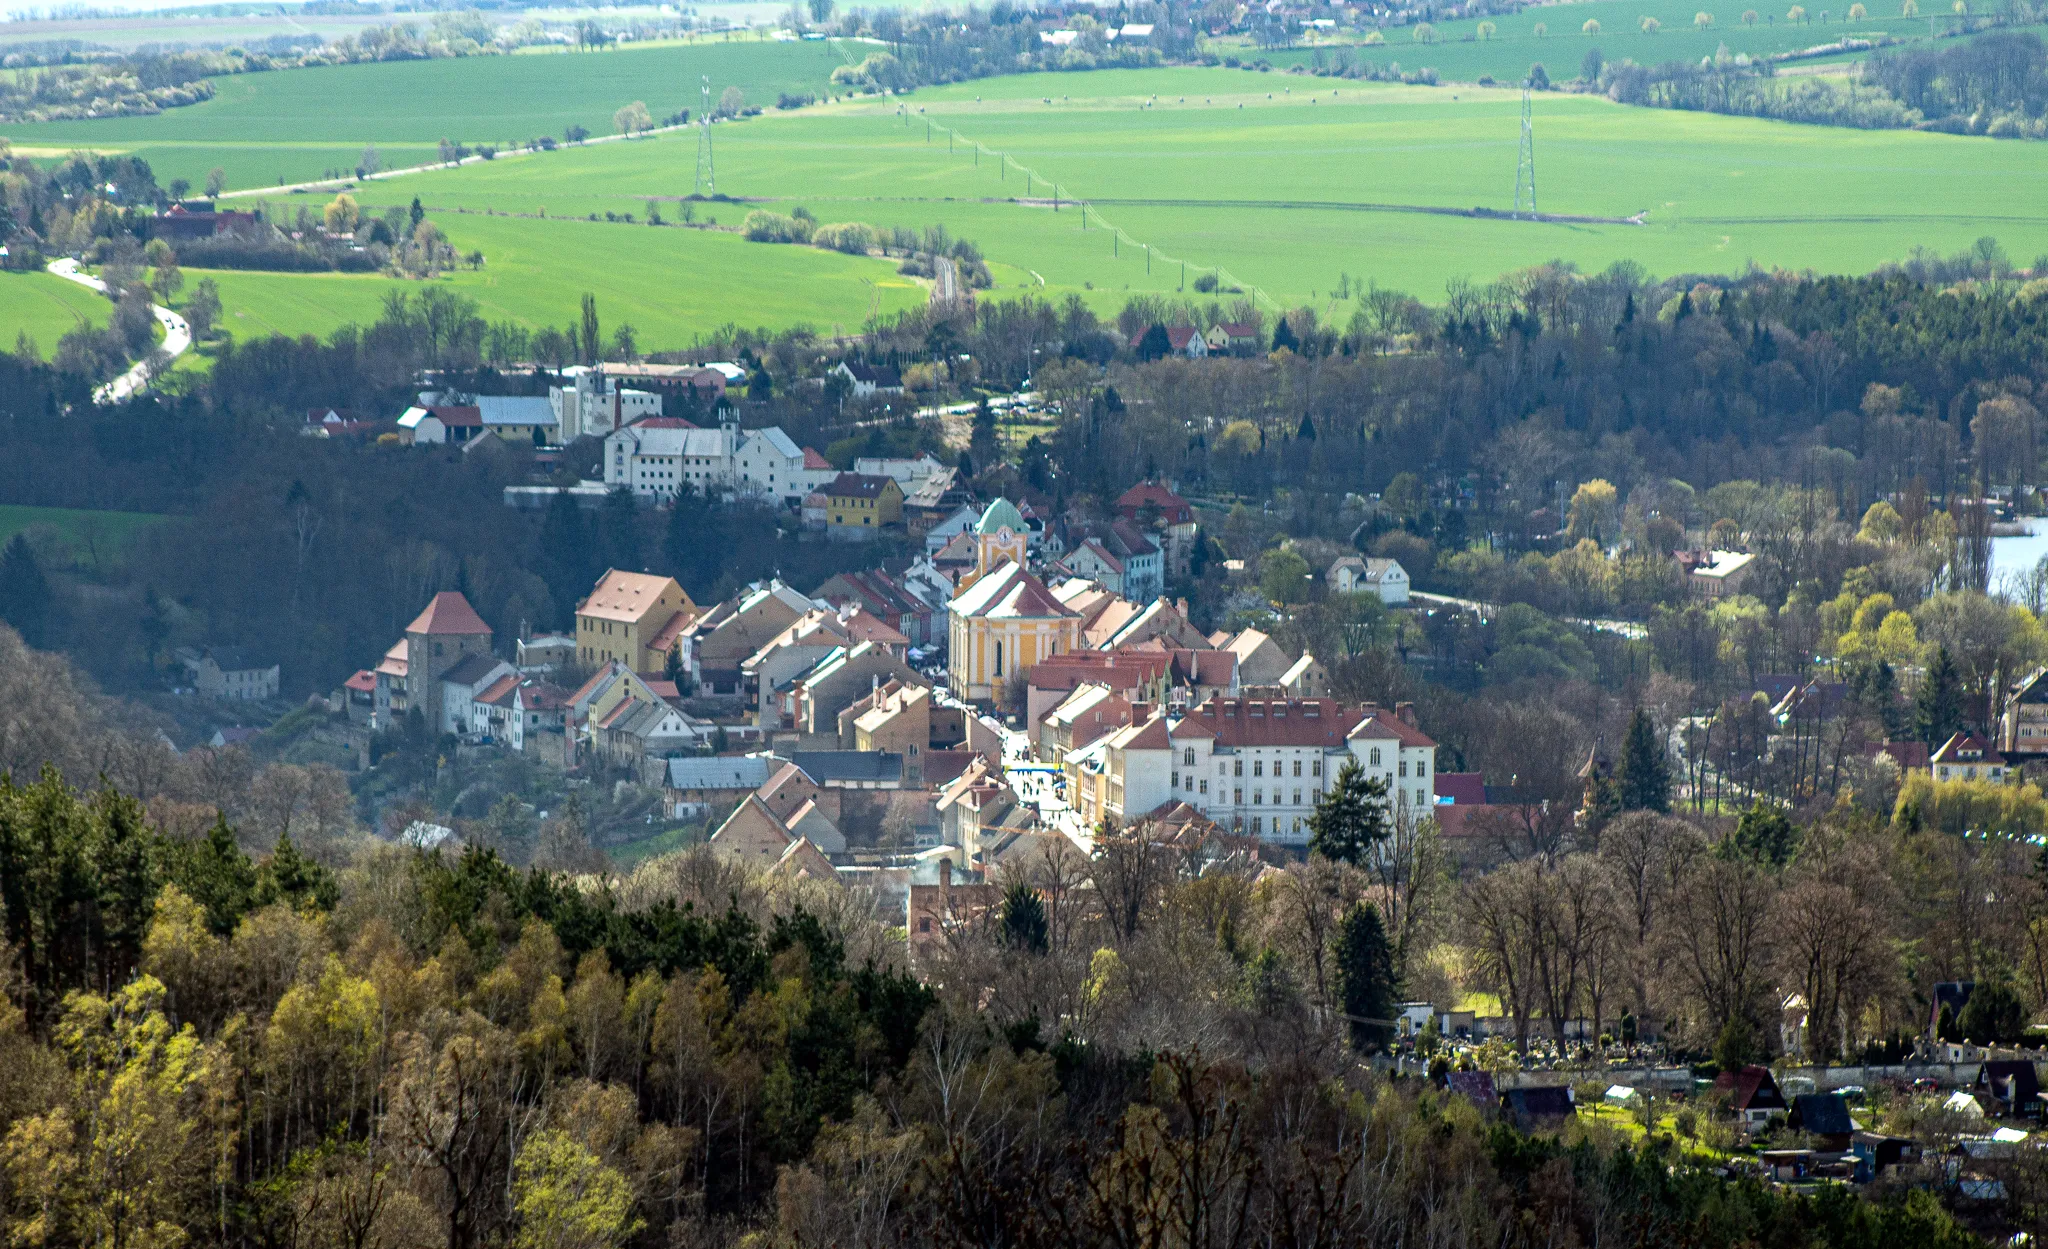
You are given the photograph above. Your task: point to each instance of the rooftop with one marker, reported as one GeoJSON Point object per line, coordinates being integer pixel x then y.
{"type": "Point", "coordinates": [448, 613]}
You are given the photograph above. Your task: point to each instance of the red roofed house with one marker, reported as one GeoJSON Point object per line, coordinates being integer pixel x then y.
{"type": "Point", "coordinates": [635, 618]}
{"type": "Point", "coordinates": [1185, 340]}
{"type": "Point", "coordinates": [359, 696]}
{"type": "Point", "coordinates": [1151, 506]}
{"type": "Point", "coordinates": [1967, 757]}
{"type": "Point", "coordinates": [446, 633]}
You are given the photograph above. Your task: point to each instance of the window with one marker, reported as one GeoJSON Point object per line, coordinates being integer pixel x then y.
{"type": "Point", "coordinates": [1237, 797]}
{"type": "Point", "coordinates": [1257, 825]}
{"type": "Point", "coordinates": [1375, 756]}
{"type": "Point", "coordinates": [1404, 767]}
{"type": "Point", "coordinates": [1174, 783]}
{"type": "Point", "coordinates": [1315, 767]}
{"type": "Point", "coordinates": [1297, 767]}
{"type": "Point", "coordinates": [1237, 767]}
{"type": "Point", "coordinates": [1422, 767]}
{"type": "Point", "coordinates": [1205, 785]}
{"type": "Point", "coordinates": [1297, 797]}
{"type": "Point", "coordinates": [1421, 797]}
{"type": "Point", "coordinates": [1258, 768]}
{"type": "Point", "coordinates": [1188, 757]}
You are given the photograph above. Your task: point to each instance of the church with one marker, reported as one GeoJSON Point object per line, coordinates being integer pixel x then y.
{"type": "Point", "coordinates": [1003, 619]}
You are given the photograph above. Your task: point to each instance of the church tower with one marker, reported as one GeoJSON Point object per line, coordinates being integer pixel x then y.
{"type": "Point", "coordinates": [1000, 535]}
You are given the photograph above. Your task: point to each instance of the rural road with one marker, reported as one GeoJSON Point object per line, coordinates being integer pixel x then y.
{"type": "Point", "coordinates": [1626, 628]}
{"type": "Point", "coordinates": [177, 337]}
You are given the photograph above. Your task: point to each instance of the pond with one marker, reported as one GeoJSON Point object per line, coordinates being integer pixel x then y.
{"type": "Point", "coordinates": [2016, 556]}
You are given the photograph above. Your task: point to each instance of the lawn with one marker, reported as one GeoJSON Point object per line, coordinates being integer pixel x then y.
{"type": "Point", "coordinates": [672, 284]}
{"type": "Point", "coordinates": [1458, 53]}
{"type": "Point", "coordinates": [45, 308]}
{"type": "Point", "coordinates": [1289, 183]}
{"type": "Point", "coordinates": [87, 537]}
{"type": "Point", "coordinates": [301, 124]}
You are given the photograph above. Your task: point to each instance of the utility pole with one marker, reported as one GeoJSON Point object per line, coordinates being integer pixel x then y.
{"type": "Point", "coordinates": [1525, 169]}
{"type": "Point", "coordinates": [707, 178]}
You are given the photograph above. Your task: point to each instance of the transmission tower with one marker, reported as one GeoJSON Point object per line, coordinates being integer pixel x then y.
{"type": "Point", "coordinates": [707, 178]}
{"type": "Point", "coordinates": [1525, 171]}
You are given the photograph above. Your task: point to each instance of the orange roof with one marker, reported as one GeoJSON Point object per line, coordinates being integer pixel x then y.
{"type": "Point", "coordinates": [813, 461]}
{"type": "Point", "coordinates": [449, 612]}
{"type": "Point", "coordinates": [865, 626]}
{"type": "Point", "coordinates": [626, 596]}
{"type": "Point", "coordinates": [665, 640]}
{"type": "Point", "coordinates": [500, 689]}
{"type": "Point", "coordinates": [394, 662]}
{"type": "Point", "coordinates": [364, 680]}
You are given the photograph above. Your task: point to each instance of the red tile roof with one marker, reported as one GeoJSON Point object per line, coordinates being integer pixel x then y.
{"type": "Point", "coordinates": [814, 461]}
{"type": "Point", "coordinates": [499, 690]}
{"type": "Point", "coordinates": [449, 612]}
{"type": "Point", "coordinates": [364, 680]}
{"type": "Point", "coordinates": [1463, 788]}
{"type": "Point", "coordinates": [665, 640]}
{"type": "Point", "coordinates": [1238, 722]}
{"type": "Point", "coordinates": [664, 422]}
{"type": "Point", "coordinates": [1385, 723]}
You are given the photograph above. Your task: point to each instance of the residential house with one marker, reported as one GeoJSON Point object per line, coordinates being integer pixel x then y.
{"type": "Point", "coordinates": [1084, 715]}
{"type": "Point", "coordinates": [1135, 676]}
{"type": "Point", "coordinates": [771, 671]}
{"type": "Point", "coordinates": [2023, 720]}
{"type": "Point", "coordinates": [636, 732]}
{"type": "Point", "coordinates": [518, 418]}
{"type": "Point", "coordinates": [958, 523]}
{"type": "Point", "coordinates": [870, 380]}
{"type": "Point", "coordinates": [490, 708]}
{"type": "Point", "coordinates": [460, 686]}
{"type": "Point", "coordinates": [789, 790]}
{"type": "Point", "coordinates": [1124, 773]}
{"type": "Point", "coordinates": [1181, 340]}
{"type": "Point", "coordinates": [851, 769]}
{"type": "Point", "coordinates": [1752, 1094]}
{"type": "Point", "coordinates": [1384, 578]}
{"type": "Point", "coordinates": [895, 718]}
{"type": "Point", "coordinates": [389, 696]}
{"type": "Point", "coordinates": [1967, 757]}
{"type": "Point", "coordinates": [860, 505]}
{"type": "Point", "coordinates": [812, 706]}
{"type": "Point", "coordinates": [1260, 660]}
{"type": "Point", "coordinates": [658, 457]}
{"type": "Point", "coordinates": [229, 672]}
{"type": "Point", "coordinates": [885, 602]}
{"type": "Point", "coordinates": [1159, 509]}
{"type": "Point", "coordinates": [423, 426]}
{"type": "Point", "coordinates": [715, 644]}
{"type": "Point", "coordinates": [1121, 560]}
{"type": "Point", "coordinates": [2012, 1087]}
{"type": "Point", "coordinates": [1535, 1109]}
{"type": "Point", "coordinates": [341, 423]}
{"type": "Point", "coordinates": [1236, 338]}
{"type": "Point", "coordinates": [634, 618]}
{"type": "Point", "coordinates": [769, 464]}
{"type": "Point", "coordinates": [1825, 1116]}
{"type": "Point", "coordinates": [545, 652]}
{"type": "Point", "coordinates": [707, 785]}
{"type": "Point", "coordinates": [1721, 574]}
{"type": "Point", "coordinates": [931, 500]}
{"type": "Point", "coordinates": [359, 696]}
{"type": "Point", "coordinates": [752, 835]}
{"type": "Point", "coordinates": [1004, 619]}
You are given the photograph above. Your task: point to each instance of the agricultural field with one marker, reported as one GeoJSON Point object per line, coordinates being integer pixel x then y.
{"type": "Point", "coordinates": [294, 125]}
{"type": "Point", "coordinates": [45, 308]}
{"type": "Point", "coordinates": [71, 536]}
{"type": "Point", "coordinates": [1289, 183]}
{"type": "Point", "coordinates": [1459, 52]}
{"type": "Point", "coordinates": [671, 284]}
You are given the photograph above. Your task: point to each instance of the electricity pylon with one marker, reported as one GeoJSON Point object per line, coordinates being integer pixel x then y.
{"type": "Point", "coordinates": [1525, 170]}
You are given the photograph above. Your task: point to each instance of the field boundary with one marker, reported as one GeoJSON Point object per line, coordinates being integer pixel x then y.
{"type": "Point", "coordinates": [384, 175]}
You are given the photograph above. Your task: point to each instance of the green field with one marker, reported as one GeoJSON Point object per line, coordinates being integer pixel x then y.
{"type": "Point", "coordinates": [1295, 182]}
{"type": "Point", "coordinates": [300, 124]}
{"type": "Point", "coordinates": [84, 537]}
{"type": "Point", "coordinates": [1458, 54]}
{"type": "Point", "coordinates": [45, 308]}
{"type": "Point", "coordinates": [672, 284]}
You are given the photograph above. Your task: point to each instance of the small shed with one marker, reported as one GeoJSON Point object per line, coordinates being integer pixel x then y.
{"type": "Point", "coordinates": [1543, 1107]}
{"type": "Point", "coordinates": [1824, 1116]}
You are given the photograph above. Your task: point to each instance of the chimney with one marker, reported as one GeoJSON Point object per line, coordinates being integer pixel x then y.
{"type": "Point", "coordinates": [1370, 709]}
{"type": "Point", "coordinates": [1405, 713]}
{"type": "Point", "coordinates": [945, 878]}
{"type": "Point", "coordinates": [618, 408]}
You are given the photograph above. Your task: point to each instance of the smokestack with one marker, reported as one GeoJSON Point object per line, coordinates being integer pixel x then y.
{"type": "Point", "coordinates": [1405, 713]}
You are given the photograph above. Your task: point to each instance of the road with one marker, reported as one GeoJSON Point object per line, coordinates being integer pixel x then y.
{"type": "Point", "coordinates": [177, 338]}
{"type": "Point", "coordinates": [1626, 628]}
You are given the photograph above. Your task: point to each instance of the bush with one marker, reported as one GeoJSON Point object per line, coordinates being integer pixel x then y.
{"type": "Point", "coordinates": [855, 238]}
{"type": "Point", "coordinates": [762, 226]}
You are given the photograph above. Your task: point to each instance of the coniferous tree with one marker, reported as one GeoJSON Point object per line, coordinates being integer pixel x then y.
{"type": "Point", "coordinates": [1283, 336]}
{"type": "Point", "coordinates": [1365, 976]}
{"type": "Point", "coordinates": [25, 593]}
{"type": "Point", "coordinates": [1645, 769]}
{"type": "Point", "coordinates": [1938, 707]}
{"type": "Point", "coordinates": [1351, 818]}
{"type": "Point", "coordinates": [295, 880]}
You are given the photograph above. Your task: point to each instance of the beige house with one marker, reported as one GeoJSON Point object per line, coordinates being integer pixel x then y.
{"type": "Point", "coordinates": [634, 618]}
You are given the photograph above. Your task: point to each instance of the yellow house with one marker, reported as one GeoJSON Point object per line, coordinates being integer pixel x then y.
{"type": "Point", "coordinates": [1003, 619]}
{"type": "Point", "coordinates": [863, 501]}
{"type": "Point", "coordinates": [633, 617]}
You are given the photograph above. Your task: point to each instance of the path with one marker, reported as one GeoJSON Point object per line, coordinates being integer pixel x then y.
{"type": "Point", "coordinates": [504, 153]}
{"type": "Point", "coordinates": [177, 337]}
{"type": "Point", "coordinates": [1627, 628]}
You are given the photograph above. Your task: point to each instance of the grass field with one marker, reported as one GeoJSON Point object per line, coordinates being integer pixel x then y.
{"type": "Point", "coordinates": [1458, 53]}
{"type": "Point", "coordinates": [45, 308]}
{"type": "Point", "coordinates": [671, 284]}
{"type": "Point", "coordinates": [300, 124]}
{"type": "Point", "coordinates": [86, 537]}
{"type": "Point", "coordinates": [1293, 182]}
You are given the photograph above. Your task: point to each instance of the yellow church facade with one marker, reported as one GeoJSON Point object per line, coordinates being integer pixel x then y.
{"type": "Point", "coordinates": [1002, 618]}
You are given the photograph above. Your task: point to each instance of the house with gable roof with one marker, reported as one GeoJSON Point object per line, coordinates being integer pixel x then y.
{"type": "Point", "coordinates": [445, 634]}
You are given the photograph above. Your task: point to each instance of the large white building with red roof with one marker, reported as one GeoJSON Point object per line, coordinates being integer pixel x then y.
{"type": "Point", "coordinates": [660, 456]}
{"type": "Point", "coordinates": [1254, 765]}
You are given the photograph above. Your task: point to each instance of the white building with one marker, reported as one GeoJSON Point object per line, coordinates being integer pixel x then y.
{"type": "Point", "coordinates": [770, 463]}
{"type": "Point", "coordinates": [907, 472]}
{"type": "Point", "coordinates": [1383, 577]}
{"type": "Point", "coordinates": [591, 403]}
{"type": "Point", "coordinates": [659, 455]}
{"type": "Point", "coordinates": [1260, 765]}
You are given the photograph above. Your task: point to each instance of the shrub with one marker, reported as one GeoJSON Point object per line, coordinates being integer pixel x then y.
{"type": "Point", "coordinates": [762, 226]}
{"type": "Point", "coordinates": [855, 238]}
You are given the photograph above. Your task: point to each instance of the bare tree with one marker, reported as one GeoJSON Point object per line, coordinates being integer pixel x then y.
{"type": "Point", "coordinates": [1719, 938]}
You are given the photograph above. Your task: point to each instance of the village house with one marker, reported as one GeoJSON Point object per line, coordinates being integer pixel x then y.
{"type": "Point", "coordinates": [229, 672]}
{"type": "Point", "coordinates": [860, 505]}
{"type": "Point", "coordinates": [434, 426]}
{"type": "Point", "coordinates": [715, 644]}
{"type": "Point", "coordinates": [517, 418]}
{"type": "Point", "coordinates": [1384, 578]}
{"type": "Point", "coordinates": [2023, 720]}
{"type": "Point", "coordinates": [1159, 509]}
{"type": "Point", "coordinates": [869, 380]}
{"type": "Point", "coordinates": [634, 618]}
{"type": "Point", "coordinates": [1967, 757]}
{"type": "Point", "coordinates": [712, 785]}
{"type": "Point", "coordinates": [460, 687]}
